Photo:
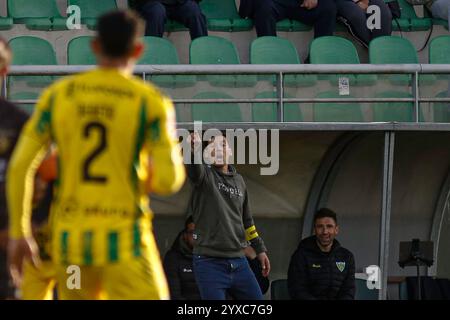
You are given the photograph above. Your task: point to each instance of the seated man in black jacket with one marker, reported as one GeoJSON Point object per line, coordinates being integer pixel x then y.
{"type": "Point", "coordinates": [156, 12]}
{"type": "Point", "coordinates": [178, 265]}
{"type": "Point", "coordinates": [320, 269]}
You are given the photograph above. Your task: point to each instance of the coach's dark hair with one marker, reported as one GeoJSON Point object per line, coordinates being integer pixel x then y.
{"type": "Point", "coordinates": [325, 213]}
{"type": "Point", "coordinates": [118, 31]}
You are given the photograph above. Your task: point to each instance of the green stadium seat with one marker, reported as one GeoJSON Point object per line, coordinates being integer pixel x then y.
{"type": "Point", "coordinates": [439, 50]}
{"type": "Point", "coordinates": [364, 293]}
{"type": "Point", "coordinates": [336, 112]}
{"type": "Point", "coordinates": [29, 108]}
{"type": "Point", "coordinates": [344, 52]}
{"type": "Point", "coordinates": [394, 111]}
{"type": "Point", "coordinates": [6, 23]}
{"type": "Point", "coordinates": [268, 112]}
{"type": "Point", "coordinates": [409, 21]}
{"type": "Point", "coordinates": [441, 111]}
{"type": "Point", "coordinates": [439, 53]}
{"type": "Point", "coordinates": [216, 50]}
{"type": "Point", "coordinates": [37, 15]}
{"type": "Point", "coordinates": [222, 15]}
{"type": "Point", "coordinates": [162, 51]}
{"type": "Point", "coordinates": [79, 51]}
{"type": "Point", "coordinates": [32, 51]}
{"type": "Point", "coordinates": [91, 10]}
{"type": "Point", "coordinates": [279, 290]}
{"type": "Point", "coordinates": [215, 112]}
{"type": "Point", "coordinates": [396, 50]}
{"type": "Point", "coordinates": [275, 50]}
{"type": "Point", "coordinates": [288, 25]}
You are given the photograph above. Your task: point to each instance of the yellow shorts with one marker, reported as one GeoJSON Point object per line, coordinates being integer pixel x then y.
{"type": "Point", "coordinates": [141, 278]}
{"type": "Point", "coordinates": [38, 283]}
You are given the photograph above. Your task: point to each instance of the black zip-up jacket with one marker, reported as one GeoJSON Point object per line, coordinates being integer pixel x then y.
{"type": "Point", "coordinates": [221, 213]}
{"type": "Point", "coordinates": [179, 271]}
{"type": "Point", "coordinates": [316, 275]}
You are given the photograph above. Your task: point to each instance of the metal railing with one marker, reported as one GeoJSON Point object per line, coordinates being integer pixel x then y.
{"type": "Point", "coordinates": [415, 70]}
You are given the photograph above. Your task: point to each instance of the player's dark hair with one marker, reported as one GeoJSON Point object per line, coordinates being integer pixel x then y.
{"type": "Point", "coordinates": [118, 31]}
{"type": "Point", "coordinates": [325, 213]}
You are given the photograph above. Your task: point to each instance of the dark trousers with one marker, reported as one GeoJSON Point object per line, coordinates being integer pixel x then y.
{"type": "Point", "coordinates": [357, 19]}
{"type": "Point", "coordinates": [268, 12]}
{"type": "Point", "coordinates": [188, 13]}
{"type": "Point", "coordinates": [217, 277]}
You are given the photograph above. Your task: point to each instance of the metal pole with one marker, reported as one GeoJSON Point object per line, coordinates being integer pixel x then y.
{"type": "Point", "coordinates": [280, 96]}
{"type": "Point", "coordinates": [388, 161]}
{"type": "Point", "coordinates": [415, 90]}
{"type": "Point", "coordinates": [419, 290]}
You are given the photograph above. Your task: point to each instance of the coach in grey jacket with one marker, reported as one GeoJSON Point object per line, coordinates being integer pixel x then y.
{"type": "Point", "coordinates": [223, 227]}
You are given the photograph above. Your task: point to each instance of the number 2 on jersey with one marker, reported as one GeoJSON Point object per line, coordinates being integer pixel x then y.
{"type": "Point", "coordinates": [90, 127]}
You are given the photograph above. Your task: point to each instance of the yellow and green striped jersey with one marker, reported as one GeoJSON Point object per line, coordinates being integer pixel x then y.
{"type": "Point", "coordinates": [107, 127]}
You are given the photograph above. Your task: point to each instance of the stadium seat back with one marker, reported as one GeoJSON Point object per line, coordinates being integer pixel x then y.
{"type": "Point", "coordinates": [213, 50]}
{"type": "Point", "coordinates": [162, 51]}
{"type": "Point", "coordinates": [159, 51]}
{"type": "Point", "coordinates": [394, 111]}
{"type": "Point", "coordinates": [93, 9]}
{"type": "Point", "coordinates": [279, 290]}
{"type": "Point", "coordinates": [439, 50]}
{"type": "Point", "coordinates": [273, 50]}
{"type": "Point", "coordinates": [343, 51]}
{"type": "Point", "coordinates": [268, 112]}
{"type": "Point", "coordinates": [392, 50]}
{"type": "Point", "coordinates": [441, 110]}
{"type": "Point", "coordinates": [364, 293]}
{"type": "Point", "coordinates": [222, 15]}
{"type": "Point", "coordinates": [335, 112]}
{"type": "Point", "coordinates": [219, 9]}
{"type": "Point", "coordinates": [215, 112]}
{"type": "Point", "coordinates": [32, 51]}
{"type": "Point", "coordinates": [79, 51]}
{"type": "Point", "coordinates": [20, 9]}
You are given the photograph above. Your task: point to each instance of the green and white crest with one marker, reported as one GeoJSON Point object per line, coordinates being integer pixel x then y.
{"type": "Point", "coordinates": [340, 265]}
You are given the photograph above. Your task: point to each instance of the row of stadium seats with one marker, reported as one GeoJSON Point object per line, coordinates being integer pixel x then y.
{"type": "Point", "coordinates": [322, 112]}
{"type": "Point", "coordinates": [221, 15]}
{"type": "Point", "coordinates": [263, 50]}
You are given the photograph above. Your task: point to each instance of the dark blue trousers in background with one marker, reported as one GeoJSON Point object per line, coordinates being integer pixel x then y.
{"type": "Point", "coordinates": [188, 14]}
{"type": "Point", "coordinates": [266, 13]}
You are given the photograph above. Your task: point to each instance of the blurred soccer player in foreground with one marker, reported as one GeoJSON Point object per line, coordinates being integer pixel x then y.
{"type": "Point", "coordinates": [113, 133]}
